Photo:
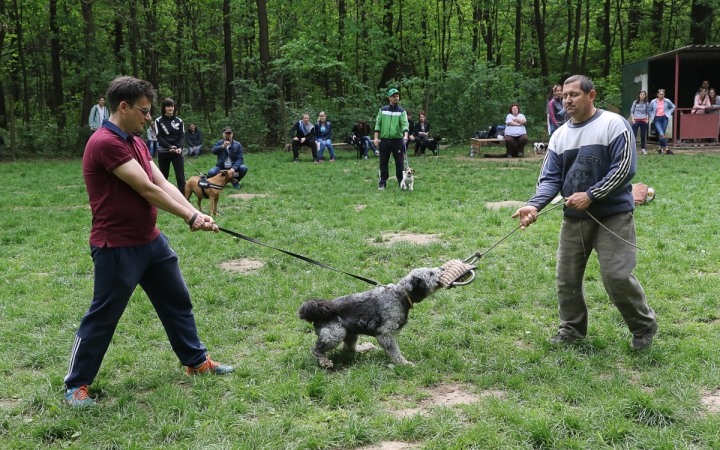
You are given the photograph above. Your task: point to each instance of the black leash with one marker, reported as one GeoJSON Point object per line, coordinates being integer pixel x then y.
{"type": "Point", "coordinates": [186, 160]}
{"type": "Point", "coordinates": [295, 255]}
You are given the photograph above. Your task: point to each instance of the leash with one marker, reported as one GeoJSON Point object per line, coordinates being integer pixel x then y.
{"type": "Point", "coordinates": [407, 163]}
{"type": "Point", "coordinates": [186, 160]}
{"type": "Point", "coordinates": [295, 255]}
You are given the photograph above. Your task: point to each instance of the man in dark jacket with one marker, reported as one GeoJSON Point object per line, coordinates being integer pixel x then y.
{"type": "Point", "coordinates": [303, 133]}
{"type": "Point", "coordinates": [230, 156]}
{"type": "Point", "coordinates": [194, 138]}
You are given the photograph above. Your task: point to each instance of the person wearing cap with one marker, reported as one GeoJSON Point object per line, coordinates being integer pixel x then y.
{"type": "Point", "coordinates": [391, 126]}
{"type": "Point", "coordinates": [230, 156]}
{"type": "Point", "coordinates": [194, 138]}
{"type": "Point", "coordinates": [303, 133]}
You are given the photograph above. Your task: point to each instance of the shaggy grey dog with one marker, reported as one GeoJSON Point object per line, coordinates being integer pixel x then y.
{"type": "Point", "coordinates": [380, 312]}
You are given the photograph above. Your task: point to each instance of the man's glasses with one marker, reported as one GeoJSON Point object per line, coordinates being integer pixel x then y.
{"type": "Point", "coordinates": [145, 111]}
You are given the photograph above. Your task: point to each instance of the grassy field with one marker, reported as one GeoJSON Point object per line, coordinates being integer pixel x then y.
{"type": "Point", "coordinates": [487, 341]}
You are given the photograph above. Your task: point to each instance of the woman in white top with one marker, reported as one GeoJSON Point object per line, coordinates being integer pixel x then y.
{"type": "Point", "coordinates": [515, 134]}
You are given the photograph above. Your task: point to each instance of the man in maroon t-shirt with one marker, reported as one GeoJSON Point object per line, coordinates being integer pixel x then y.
{"type": "Point", "coordinates": [125, 189]}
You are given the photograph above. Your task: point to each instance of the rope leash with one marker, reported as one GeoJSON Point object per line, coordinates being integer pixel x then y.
{"type": "Point", "coordinates": [295, 255]}
{"type": "Point", "coordinates": [199, 173]}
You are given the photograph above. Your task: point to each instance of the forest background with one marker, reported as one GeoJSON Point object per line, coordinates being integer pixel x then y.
{"type": "Point", "coordinates": [258, 64]}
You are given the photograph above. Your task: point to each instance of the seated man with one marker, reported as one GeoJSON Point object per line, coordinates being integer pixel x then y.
{"type": "Point", "coordinates": [230, 156]}
{"type": "Point", "coordinates": [303, 133]}
{"type": "Point", "coordinates": [194, 138]}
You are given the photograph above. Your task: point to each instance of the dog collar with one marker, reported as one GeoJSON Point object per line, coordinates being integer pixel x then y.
{"type": "Point", "coordinates": [408, 298]}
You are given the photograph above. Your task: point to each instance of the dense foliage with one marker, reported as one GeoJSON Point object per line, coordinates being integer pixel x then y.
{"type": "Point", "coordinates": [257, 64]}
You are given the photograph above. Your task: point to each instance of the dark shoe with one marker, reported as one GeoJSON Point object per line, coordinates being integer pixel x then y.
{"type": "Point", "coordinates": [297, 160]}
{"type": "Point", "coordinates": [659, 151]}
{"type": "Point", "coordinates": [668, 151]}
{"type": "Point", "coordinates": [560, 338]}
{"type": "Point", "coordinates": [520, 154]}
{"type": "Point", "coordinates": [381, 187]}
{"type": "Point", "coordinates": [644, 341]}
{"type": "Point", "coordinates": [236, 185]}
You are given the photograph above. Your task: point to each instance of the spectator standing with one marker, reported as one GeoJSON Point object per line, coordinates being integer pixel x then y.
{"type": "Point", "coordinates": [303, 133]}
{"type": "Point", "coordinates": [230, 156]}
{"type": "Point", "coordinates": [422, 134]}
{"type": "Point", "coordinates": [591, 162]}
{"type": "Point", "coordinates": [714, 105]}
{"type": "Point", "coordinates": [125, 190]}
{"type": "Point", "coordinates": [661, 109]}
{"type": "Point", "coordinates": [391, 126]}
{"type": "Point", "coordinates": [194, 139]}
{"type": "Point", "coordinates": [555, 110]}
{"type": "Point", "coordinates": [701, 102]}
{"type": "Point", "coordinates": [515, 133]}
{"type": "Point", "coordinates": [171, 135]}
{"type": "Point", "coordinates": [639, 110]}
{"type": "Point", "coordinates": [98, 113]}
{"type": "Point", "coordinates": [361, 131]}
{"type": "Point", "coordinates": [152, 141]}
{"type": "Point", "coordinates": [323, 131]}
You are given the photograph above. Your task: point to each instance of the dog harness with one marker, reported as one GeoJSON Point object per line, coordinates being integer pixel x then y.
{"type": "Point", "coordinates": [203, 184]}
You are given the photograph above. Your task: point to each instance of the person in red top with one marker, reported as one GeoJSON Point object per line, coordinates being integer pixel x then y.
{"type": "Point", "coordinates": [125, 189]}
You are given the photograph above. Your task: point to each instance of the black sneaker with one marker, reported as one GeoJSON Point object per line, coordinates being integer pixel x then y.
{"type": "Point", "coordinates": [645, 340]}
{"type": "Point", "coordinates": [381, 187]}
{"type": "Point", "coordinates": [560, 338]}
{"type": "Point", "coordinates": [659, 151]}
{"type": "Point", "coordinates": [297, 160]}
{"type": "Point", "coordinates": [668, 151]}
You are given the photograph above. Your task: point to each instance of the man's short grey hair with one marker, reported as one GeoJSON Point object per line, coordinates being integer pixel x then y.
{"type": "Point", "coordinates": [128, 90]}
{"type": "Point", "coordinates": [585, 84]}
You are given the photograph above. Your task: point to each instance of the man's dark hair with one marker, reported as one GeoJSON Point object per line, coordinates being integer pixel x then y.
{"type": "Point", "coordinates": [129, 90]}
{"type": "Point", "coordinates": [101, 98]}
{"type": "Point", "coordinates": [585, 84]}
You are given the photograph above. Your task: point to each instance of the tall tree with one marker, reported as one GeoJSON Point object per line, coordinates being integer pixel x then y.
{"type": "Point", "coordinates": [518, 34]}
{"type": "Point", "coordinates": [391, 65]}
{"type": "Point", "coordinates": [229, 69]}
{"type": "Point", "coordinates": [56, 105]}
{"type": "Point", "coordinates": [540, 28]}
{"type": "Point", "coordinates": [700, 19]}
{"type": "Point", "coordinates": [86, 8]}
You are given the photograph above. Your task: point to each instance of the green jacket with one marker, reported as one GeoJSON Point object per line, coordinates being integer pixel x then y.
{"type": "Point", "coordinates": [392, 122]}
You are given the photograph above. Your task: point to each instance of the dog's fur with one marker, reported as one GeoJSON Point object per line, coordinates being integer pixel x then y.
{"type": "Point", "coordinates": [540, 148]}
{"type": "Point", "coordinates": [380, 312]}
{"type": "Point", "coordinates": [221, 179]}
{"type": "Point", "coordinates": [408, 179]}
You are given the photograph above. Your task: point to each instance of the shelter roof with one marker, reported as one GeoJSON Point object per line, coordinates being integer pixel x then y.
{"type": "Point", "coordinates": [690, 53]}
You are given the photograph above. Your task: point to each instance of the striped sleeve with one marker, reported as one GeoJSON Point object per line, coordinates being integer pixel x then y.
{"type": "Point", "coordinates": [622, 166]}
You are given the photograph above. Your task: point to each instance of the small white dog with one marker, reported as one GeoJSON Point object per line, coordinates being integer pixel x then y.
{"type": "Point", "coordinates": [540, 148]}
{"type": "Point", "coordinates": [408, 179]}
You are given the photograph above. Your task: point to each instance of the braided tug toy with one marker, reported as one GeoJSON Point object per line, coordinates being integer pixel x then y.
{"type": "Point", "coordinates": [457, 273]}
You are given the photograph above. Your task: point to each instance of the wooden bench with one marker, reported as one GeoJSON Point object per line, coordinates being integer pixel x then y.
{"type": "Point", "coordinates": [477, 144]}
{"type": "Point", "coordinates": [336, 145]}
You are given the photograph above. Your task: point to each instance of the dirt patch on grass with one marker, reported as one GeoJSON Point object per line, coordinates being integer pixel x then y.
{"type": "Point", "coordinates": [9, 403]}
{"type": "Point", "coordinates": [390, 445]}
{"type": "Point", "coordinates": [242, 265]}
{"type": "Point", "coordinates": [71, 186]}
{"type": "Point", "coordinates": [446, 395]}
{"type": "Point", "coordinates": [512, 204]}
{"type": "Point", "coordinates": [246, 196]}
{"type": "Point", "coordinates": [711, 401]}
{"type": "Point", "coordinates": [392, 238]}
{"type": "Point", "coordinates": [360, 207]}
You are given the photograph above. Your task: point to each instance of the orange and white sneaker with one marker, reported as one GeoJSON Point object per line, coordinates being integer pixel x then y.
{"type": "Point", "coordinates": [78, 397]}
{"type": "Point", "coordinates": [209, 366]}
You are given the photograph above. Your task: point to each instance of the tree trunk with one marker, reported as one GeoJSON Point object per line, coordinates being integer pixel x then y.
{"type": "Point", "coordinates": [56, 105]}
{"type": "Point", "coordinates": [118, 41]}
{"type": "Point", "coordinates": [576, 37]}
{"type": "Point", "coordinates": [606, 38]}
{"type": "Point", "coordinates": [134, 36]}
{"type": "Point", "coordinates": [229, 69]}
{"type": "Point", "coordinates": [540, 27]}
{"type": "Point", "coordinates": [701, 15]}
{"type": "Point", "coordinates": [339, 87]}
{"type": "Point", "coordinates": [587, 36]}
{"type": "Point", "coordinates": [151, 24]}
{"type": "Point", "coordinates": [11, 123]}
{"type": "Point", "coordinates": [89, 56]}
{"type": "Point", "coordinates": [264, 34]}
{"type": "Point", "coordinates": [633, 27]}
{"type": "Point", "coordinates": [568, 40]}
{"type": "Point", "coordinates": [390, 70]}
{"type": "Point", "coordinates": [3, 86]}
{"type": "Point", "coordinates": [18, 66]}
{"type": "Point", "coordinates": [518, 34]}
{"type": "Point", "coordinates": [656, 20]}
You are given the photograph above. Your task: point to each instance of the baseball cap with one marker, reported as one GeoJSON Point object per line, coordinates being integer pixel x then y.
{"type": "Point", "coordinates": [391, 92]}
{"type": "Point", "coordinates": [227, 130]}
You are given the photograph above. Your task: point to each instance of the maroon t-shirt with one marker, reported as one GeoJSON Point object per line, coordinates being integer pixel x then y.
{"type": "Point", "coordinates": [120, 216]}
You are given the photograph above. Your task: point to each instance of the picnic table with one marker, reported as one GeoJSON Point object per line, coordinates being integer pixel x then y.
{"type": "Point", "coordinates": [476, 144]}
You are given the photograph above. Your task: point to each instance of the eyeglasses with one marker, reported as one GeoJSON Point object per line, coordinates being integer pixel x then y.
{"type": "Point", "coordinates": [145, 111]}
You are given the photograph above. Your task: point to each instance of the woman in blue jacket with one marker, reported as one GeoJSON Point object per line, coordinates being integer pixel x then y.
{"type": "Point", "coordinates": [323, 133]}
{"type": "Point", "coordinates": [660, 111]}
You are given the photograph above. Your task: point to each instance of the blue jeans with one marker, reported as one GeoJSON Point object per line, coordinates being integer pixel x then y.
{"type": "Point", "coordinates": [325, 143]}
{"type": "Point", "coordinates": [661, 123]}
{"type": "Point", "coordinates": [195, 151]}
{"type": "Point", "coordinates": [118, 270]}
{"type": "Point", "coordinates": [241, 171]}
{"type": "Point", "coordinates": [368, 143]}
{"type": "Point", "coordinates": [643, 127]}
{"type": "Point", "coordinates": [153, 147]}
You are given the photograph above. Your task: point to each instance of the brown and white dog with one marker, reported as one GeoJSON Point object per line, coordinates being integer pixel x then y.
{"type": "Point", "coordinates": [408, 179]}
{"type": "Point", "coordinates": [210, 190]}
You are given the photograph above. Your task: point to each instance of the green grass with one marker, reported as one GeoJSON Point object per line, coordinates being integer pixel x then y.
{"type": "Point", "coordinates": [490, 335]}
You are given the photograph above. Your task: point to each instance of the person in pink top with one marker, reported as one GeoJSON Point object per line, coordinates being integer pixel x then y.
{"type": "Point", "coordinates": [660, 111]}
{"type": "Point", "coordinates": [702, 101]}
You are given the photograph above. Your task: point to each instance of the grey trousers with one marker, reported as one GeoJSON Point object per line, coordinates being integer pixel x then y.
{"type": "Point", "coordinates": [578, 238]}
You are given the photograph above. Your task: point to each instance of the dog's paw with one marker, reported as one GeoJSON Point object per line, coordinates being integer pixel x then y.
{"type": "Point", "coordinates": [365, 347]}
{"type": "Point", "coordinates": [326, 364]}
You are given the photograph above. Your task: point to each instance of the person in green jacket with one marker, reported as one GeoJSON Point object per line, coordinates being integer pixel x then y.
{"type": "Point", "coordinates": [391, 127]}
